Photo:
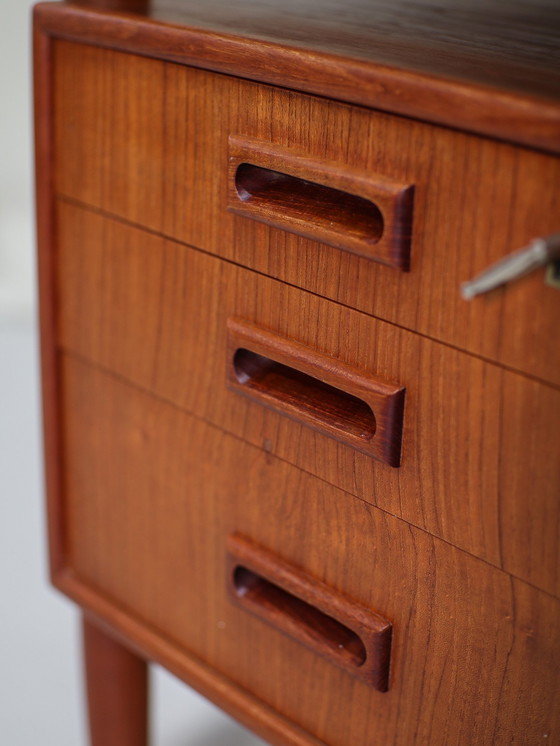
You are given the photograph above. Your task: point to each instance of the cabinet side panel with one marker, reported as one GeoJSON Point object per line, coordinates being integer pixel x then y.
{"type": "Point", "coordinates": [46, 247]}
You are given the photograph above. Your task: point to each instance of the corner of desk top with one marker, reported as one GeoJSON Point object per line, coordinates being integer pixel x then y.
{"type": "Point", "coordinates": [442, 89]}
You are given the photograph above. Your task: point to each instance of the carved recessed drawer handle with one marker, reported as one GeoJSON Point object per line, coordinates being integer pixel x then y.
{"type": "Point", "coordinates": [366, 214]}
{"type": "Point", "coordinates": [337, 399]}
{"type": "Point", "coordinates": [326, 621]}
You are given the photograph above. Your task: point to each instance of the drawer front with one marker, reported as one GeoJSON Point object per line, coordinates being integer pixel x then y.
{"type": "Point", "coordinates": [477, 440]}
{"type": "Point", "coordinates": [160, 145]}
{"type": "Point", "coordinates": [152, 499]}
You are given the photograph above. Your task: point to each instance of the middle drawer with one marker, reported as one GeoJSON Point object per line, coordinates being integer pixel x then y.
{"type": "Point", "coordinates": [156, 313]}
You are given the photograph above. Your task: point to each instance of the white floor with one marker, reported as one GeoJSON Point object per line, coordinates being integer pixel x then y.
{"type": "Point", "coordinates": [40, 676]}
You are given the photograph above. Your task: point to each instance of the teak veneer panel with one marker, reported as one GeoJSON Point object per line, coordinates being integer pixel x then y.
{"type": "Point", "coordinates": [474, 655]}
{"type": "Point", "coordinates": [148, 140]}
{"type": "Point", "coordinates": [480, 447]}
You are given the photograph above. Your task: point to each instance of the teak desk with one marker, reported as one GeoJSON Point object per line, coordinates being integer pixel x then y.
{"type": "Point", "coordinates": [285, 458]}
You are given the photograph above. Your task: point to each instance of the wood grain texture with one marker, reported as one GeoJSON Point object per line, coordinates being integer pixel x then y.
{"type": "Point", "coordinates": [162, 164]}
{"type": "Point", "coordinates": [153, 464]}
{"type": "Point", "coordinates": [344, 402]}
{"type": "Point", "coordinates": [46, 283]}
{"type": "Point", "coordinates": [463, 636]}
{"type": "Point", "coordinates": [492, 68]}
{"type": "Point", "coordinates": [117, 690]}
{"type": "Point", "coordinates": [141, 637]}
{"type": "Point", "coordinates": [342, 631]}
{"type": "Point", "coordinates": [364, 213]}
{"type": "Point", "coordinates": [477, 440]}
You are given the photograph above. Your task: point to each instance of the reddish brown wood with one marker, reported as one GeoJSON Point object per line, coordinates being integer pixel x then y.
{"type": "Point", "coordinates": [368, 214]}
{"type": "Point", "coordinates": [161, 163]}
{"type": "Point", "coordinates": [117, 690]}
{"type": "Point", "coordinates": [154, 463]}
{"type": "Point", "coordinates": [343, 631]}
{"type": "Point", "coordinates": [348, 404]}
{"type": "Point", "coordinates": [484, 90]}
{"type": "Point", "coordinates": [132, 462]}
{"type": "Point", "coordinates": [307, 398]}
{"type": "Point", "coordinates": [135, 634]}
{"type": "Point", "coordinates": [46, 242]}
{"type": "Point", "coordinates": [477, 438]}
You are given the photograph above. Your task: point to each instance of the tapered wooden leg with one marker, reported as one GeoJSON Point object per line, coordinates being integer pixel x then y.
{"type": "Point", "coordinates": [117, 691]}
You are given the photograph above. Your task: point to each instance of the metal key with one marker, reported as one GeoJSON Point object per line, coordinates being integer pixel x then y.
{"type": "Point", "coordinates": [540, 251]}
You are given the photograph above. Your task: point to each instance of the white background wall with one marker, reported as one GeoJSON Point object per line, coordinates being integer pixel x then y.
{"type": "Point", "coordinates": [40, 673]}
{"type": "Point", "coordinates": [16, 256]}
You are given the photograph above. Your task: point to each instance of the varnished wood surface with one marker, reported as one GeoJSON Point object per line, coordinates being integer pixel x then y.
{"type": "Point", "coordinates": [147, 642]}
{"type": "Point", "coordinates": [490, 68]}
{"type": "Point", "coordinates": [117, 690]}
{"type": "Point", "coordinates": [473, 41]}
{"type": "Point", "coordinates": [160, 160]}
{"type": "Point", "coordinates": [344, 402]}
{"type": "Point", "coordinates": [361, 212]}
{"type": "Point", "coordinates": [464, 632]}
{"type": "Point", "coordinates": [139, 322]}
{"type": "Point", "coordinates": [330, 623]}
{"type": "Point", "coordinates": [46, 270]}
{"type": "Point", "coordinates": [477, 440]}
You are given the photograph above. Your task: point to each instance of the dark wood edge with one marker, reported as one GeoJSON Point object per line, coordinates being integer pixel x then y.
{"type": "Point", "coordinates": [394, 199]}
{"type": "Point", "coordinates": [374, 631]}
{"type": "Point", "coordinates": [386, 399]}
{"type": "Point", "coordinates": [42, 60]}
{"type": "Point", "coordinates": [151, 645]}
{"type": "Point", "coordinates": [509, 116]}
{"type": "Point", "coordinates": [296, 162]}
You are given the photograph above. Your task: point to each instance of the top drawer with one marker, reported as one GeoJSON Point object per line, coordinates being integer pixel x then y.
{"type": "Point", "coordinates": [153, 143]}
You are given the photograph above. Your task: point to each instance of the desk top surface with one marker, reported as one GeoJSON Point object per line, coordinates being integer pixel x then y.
{"type": "Point", "coordinates": [456, 62]}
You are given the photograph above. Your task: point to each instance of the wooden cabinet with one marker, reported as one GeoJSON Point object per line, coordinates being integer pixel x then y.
{"type": "Point", "coordinates": [285, 458]}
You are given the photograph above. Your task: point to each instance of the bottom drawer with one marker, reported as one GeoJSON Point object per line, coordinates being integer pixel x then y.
{"type": "Point", "coordinates": [152, 498]}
